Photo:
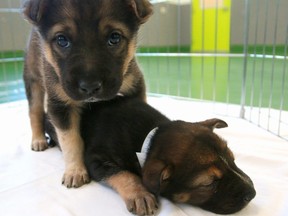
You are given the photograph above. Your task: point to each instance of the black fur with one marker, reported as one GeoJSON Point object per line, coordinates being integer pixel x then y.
{"type": "Point", "coordinates": [113, 136]}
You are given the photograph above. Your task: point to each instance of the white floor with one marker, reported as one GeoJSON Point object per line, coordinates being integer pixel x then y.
{"type": "Point", "coordinates": [30, 182]}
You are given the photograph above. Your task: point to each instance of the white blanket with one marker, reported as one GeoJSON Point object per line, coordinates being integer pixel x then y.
{"type": "Point", "coordinates": [30, 182]}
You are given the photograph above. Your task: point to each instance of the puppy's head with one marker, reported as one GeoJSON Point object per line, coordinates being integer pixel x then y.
{"type": "Point", "coordinates": [89, 43]}
{"type": "Point", "coordinates": [188, 163]}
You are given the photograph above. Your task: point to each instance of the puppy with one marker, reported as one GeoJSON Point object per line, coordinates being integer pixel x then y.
{"type": "Point", "coordinates": [113, 131]}
{"type": "Point", "coordinates": [186, 162]}
{"type": "Point", "coordinates": [79, 52]}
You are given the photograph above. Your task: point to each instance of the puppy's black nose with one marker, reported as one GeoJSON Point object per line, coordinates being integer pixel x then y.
{"type": "Point", "coordinates": [249, 196]}
{"type": "Point", "coordinates": [90, 88]}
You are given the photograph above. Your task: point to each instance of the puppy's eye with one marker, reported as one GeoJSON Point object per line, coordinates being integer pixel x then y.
{"type": "Point", "coordinates": [63, 41]}
{"type": "Point", "coordinates": [114, 39]}
{"type": "Point", "coordinates": [211, 185]}
{"type": "Point", "coordinates": [207, 184]}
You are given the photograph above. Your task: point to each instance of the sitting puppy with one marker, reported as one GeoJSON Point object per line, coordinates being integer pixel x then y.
{"type": "Point", "coordinates": [79, 52]}
{"type": "Point", "coordinates": [186, 162]}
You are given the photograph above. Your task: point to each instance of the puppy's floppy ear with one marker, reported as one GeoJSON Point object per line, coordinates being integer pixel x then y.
{"type": "Point", "coordinates": [33, 10]}
{"type": "Point", "coordinates": [214, 123]}
{"type": "Point", "coordinates": [142, 9]}
{"type": "Point", "coordinates": [155, 173]}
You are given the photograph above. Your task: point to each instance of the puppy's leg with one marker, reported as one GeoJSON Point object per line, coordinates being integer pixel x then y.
{"type": "Point", "coordinates": [35, 94]}
{"type": "Point", "coordinates": [73, 149]}
{"type": "Point", "coordinates": [138, 200]}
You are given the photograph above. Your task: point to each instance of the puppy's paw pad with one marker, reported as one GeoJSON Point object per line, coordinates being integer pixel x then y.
{"type": "Point", "coordinates": [75, 178]}
{"type": "Point", "coordinates": [143, 204]}
{"type": "Point", "coordinates": [39, 145]}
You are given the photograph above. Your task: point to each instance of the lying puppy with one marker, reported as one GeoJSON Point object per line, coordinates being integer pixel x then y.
{"type": "Point", "coordinates": [79, 52]}
{"type": "Point", "coordinates": [186, 162]}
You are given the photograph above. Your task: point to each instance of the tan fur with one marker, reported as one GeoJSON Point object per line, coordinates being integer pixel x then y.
{"type": "Point", "coordinates": [128, 83]}
{"type": "Point", "coordinates": [207, 177]}
{"type": "Point", "coordinates": [67, 25]}
{"type": "Point", "coordinates": [36, 114]}
{"type": "Point", "coordinates": [137, 198]}
{"type": "Point", "coordinates": [204, 179]}
{"type": "Point", "coordinates": [182, 197]}
{"type": "Point", "coordinates": [187, 197]}
{"type": "Point", "coordinates": [49, 57]}
{"type": "Point", "coordinates": [213, 170]}
{"type": "Point", "coordinates": [73, 148]}
{"type": "Point", "coordinates": [131, 51]}
{"type": "Point", "coordinates": [60, 93]}
{"type": "Point", "coordinates": [107, 23]}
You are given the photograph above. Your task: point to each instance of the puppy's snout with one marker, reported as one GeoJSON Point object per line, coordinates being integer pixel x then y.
{"type": "Point", "coordinates": [249, 196]}
{"type": "Point", "coordinates": [90, 88]}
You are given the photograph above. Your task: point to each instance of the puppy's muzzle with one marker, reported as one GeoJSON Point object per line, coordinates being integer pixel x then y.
{"type": "Point", "coordinates": [249, 195]}
{"type": "Point", "coordinates": [90, 88]}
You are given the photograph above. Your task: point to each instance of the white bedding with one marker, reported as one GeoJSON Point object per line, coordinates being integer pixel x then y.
{"type": "Point", "coordinates": [30, 182]}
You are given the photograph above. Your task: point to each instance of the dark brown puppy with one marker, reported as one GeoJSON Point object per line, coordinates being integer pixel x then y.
{"type": "Point", "coordinates": [79, 52]}
{"type": "Point", "coordinates": [186, 162]}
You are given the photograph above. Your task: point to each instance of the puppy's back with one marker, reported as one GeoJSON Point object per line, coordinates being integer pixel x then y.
{"type": "Point", "coordinates": [127, 119]}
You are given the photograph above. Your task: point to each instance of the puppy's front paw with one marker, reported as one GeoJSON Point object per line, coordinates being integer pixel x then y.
{"type": "Point", "coordinates": [39, 145]}
{"type": "Point", "coordinates": [75, 177]}
{"type": "Point", "coordinates": [142, 203]}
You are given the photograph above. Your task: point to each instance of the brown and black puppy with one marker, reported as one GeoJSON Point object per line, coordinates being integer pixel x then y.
{"type": "Point", "coordinates": [79, 52]}
{"type": "Point", "coordinates": [186, 162]}
{"type": "Point", "coordinates": [113, 131]}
